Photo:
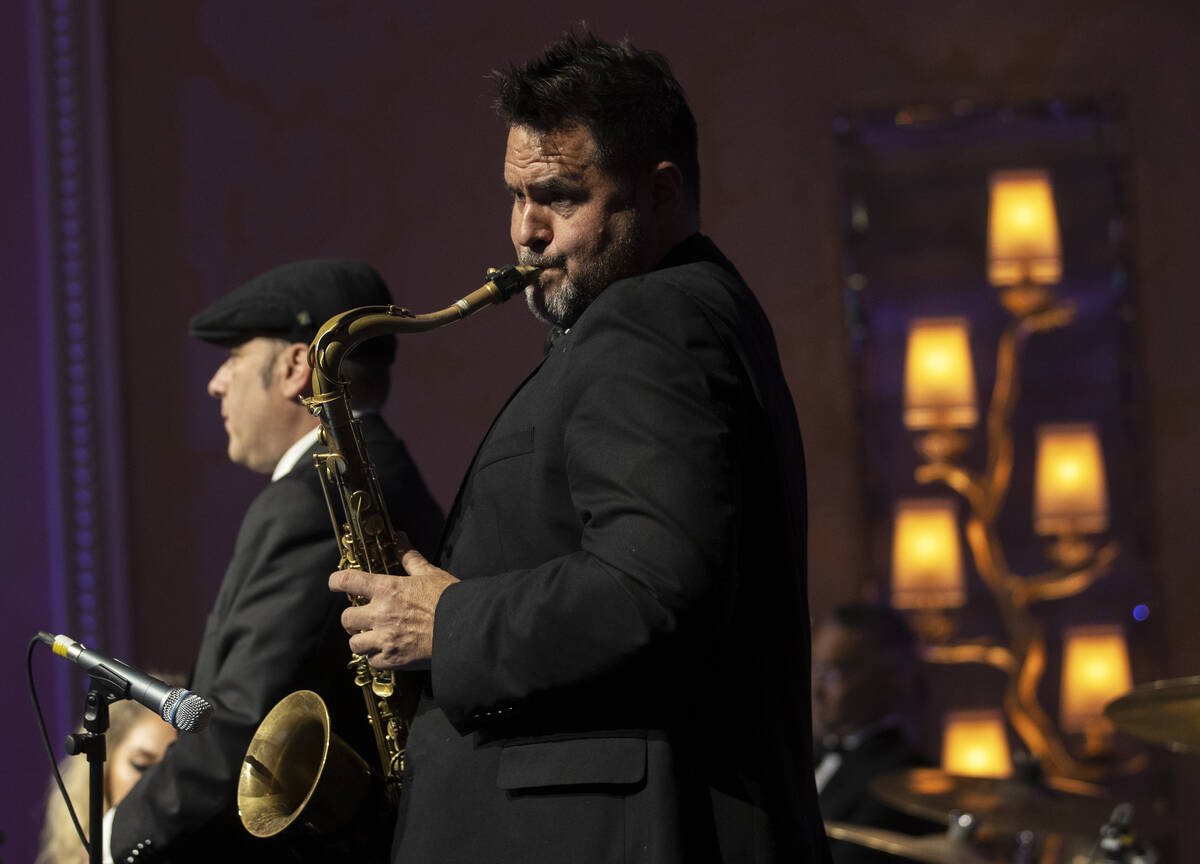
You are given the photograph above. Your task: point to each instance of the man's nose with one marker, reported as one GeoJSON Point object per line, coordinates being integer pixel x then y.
{"type": "Point", "coordinates": [216, 384]}
{"type": "Point", "coordinates": [531, 228]}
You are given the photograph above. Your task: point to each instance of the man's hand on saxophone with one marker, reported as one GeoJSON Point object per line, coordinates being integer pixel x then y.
{"type": "Point", "coordinates": [394, 628]}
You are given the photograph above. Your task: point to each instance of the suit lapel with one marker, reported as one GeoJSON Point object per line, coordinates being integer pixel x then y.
{"type": "Point", "coordinates": [839, 798]}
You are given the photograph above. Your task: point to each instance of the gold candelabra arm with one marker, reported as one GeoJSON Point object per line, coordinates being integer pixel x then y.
{"type": "Point", "coordinates": [957, 478]}
{"type": "Point", "coordinates": [1050, 318]}
{"type": "Point", "coordinates": [1005, 392]}
{"type": "Point", "coordinates": [998, 470]}
{"type": "Point", "coordinates": [1039, 732]}
{"type": "Point", "coordinates": [1031, 722]}
{"type": "Point", "coordinates": [1062, 582]}
{"type": "Point", "coordinates": [985, 653]}
{"type": "Point", "coordinates": [988, 554]}
{"type": "Point", "coordinates": [1027, 651]}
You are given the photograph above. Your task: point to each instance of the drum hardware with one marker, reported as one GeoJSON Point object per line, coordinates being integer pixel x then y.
{"type": "Point", "coordinates": [951, 847]}
{"type": "Point", "coordinates": [1005, 806]}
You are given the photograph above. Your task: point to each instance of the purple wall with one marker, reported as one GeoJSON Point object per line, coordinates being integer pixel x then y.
{"type": "Point", "coordinates": [28, 603]}
{"type": "Point", "coordinates": [245, 135]}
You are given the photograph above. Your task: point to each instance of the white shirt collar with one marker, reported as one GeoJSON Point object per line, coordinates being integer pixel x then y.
{"type": "Point", "coordinates": [294, 453]}
{"type": "Point", "coordinates": [824, 770]}
{"type": "Point", "coordinates": [855, 739]}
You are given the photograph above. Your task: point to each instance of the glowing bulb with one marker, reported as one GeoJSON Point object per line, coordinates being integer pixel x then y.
{"type": "Point", "coordinates": [939, 383]}
{"type": "Point", "coordinates": [1095, 671]}
{"type": "Point", "coordinates": [1069, 491]}
{"type": "Point", "coordinates": [975, 743]}
{"type": "Point", "coordinates": [1022, 229]}
{"type": "Point", "coordinates": [938, 362]}
{"type": "Point", "coordinates": [927, 547]}
{"type": "Point", "coordinates": [926, 558]}
{"type": "Point", "coordinates": [1069, 472]}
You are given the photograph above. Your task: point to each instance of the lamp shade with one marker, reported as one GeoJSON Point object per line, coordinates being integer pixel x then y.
{"type": "Point", "coordinates": [975, 744]}
{"type": "Point", "coordinates": [1095, 671]}
{"type": "Point", "coordinates": [926, 556]}
{"type": "Point", "coordinates": [1023, 243]}
{"type": "Point", "coordinates": [939, 381]}
{"type": "Point", "coordinates": [1070, 496]}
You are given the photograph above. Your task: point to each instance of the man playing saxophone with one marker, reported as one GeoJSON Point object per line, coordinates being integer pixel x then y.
{"type": "Point", "coordinates": [274, 627]}
{"type": "Point", "coordinates": [617, 634]}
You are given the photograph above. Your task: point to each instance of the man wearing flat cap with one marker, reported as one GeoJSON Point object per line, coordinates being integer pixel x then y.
{"type": "Point", "coordinates": [275, 626]}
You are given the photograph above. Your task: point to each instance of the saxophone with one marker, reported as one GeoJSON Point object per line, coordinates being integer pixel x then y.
{"type": "Point", "coordinates": [295, 765]}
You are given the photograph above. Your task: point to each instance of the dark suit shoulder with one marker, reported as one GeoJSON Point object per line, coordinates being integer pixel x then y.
{"type": "Point", "coordinates": [295, 498]}
{"type": "Point", "coordinates": [684, 309]}
{"type": "Point", "coordinates": [699, 282]}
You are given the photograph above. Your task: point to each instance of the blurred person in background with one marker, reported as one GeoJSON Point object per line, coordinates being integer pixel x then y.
{"type": "Point", "coordinates": [866, 689]}
{"type": "Point", "coordinates": [137, 738]}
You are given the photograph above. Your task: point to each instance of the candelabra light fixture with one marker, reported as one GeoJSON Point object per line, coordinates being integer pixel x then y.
{"type": "Point", "coordinates": [1070, 503]}
{"type": "Point", "coordinates": [975, 744]}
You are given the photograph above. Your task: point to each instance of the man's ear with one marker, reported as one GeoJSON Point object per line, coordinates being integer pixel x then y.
{"type": "Point", "coordinates": [666, 188]}
{"type": "Point", "coordinates": [296, 375]}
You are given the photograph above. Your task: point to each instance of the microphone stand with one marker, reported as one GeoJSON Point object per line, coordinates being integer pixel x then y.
{"type": "Point", "coordinates": [92, 744]}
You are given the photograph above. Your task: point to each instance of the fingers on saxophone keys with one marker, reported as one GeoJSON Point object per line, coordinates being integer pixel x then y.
{"type": "Point", "coordinates": [351, 582]}
{"type": "Point", "coordinates": [361, 644]}
{"type": "Point", "coordinates": [355, 619]}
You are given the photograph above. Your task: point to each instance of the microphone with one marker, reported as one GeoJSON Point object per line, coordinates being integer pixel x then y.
{"type": "Point", "coordinates": [182, 708]}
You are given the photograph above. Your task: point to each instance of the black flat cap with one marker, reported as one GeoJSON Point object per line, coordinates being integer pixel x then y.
{"type": "Point", "coordinates": [293, 301]}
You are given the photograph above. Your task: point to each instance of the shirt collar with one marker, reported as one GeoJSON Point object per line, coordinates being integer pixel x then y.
{"type": "Point", "coordinates": [294, 453]}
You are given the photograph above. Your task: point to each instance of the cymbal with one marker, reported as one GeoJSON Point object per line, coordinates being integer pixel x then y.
{"type": "Point", "coordinates": [1004, 806]}
{"type": "Point", "coordinates": [932, 848]}
{"type": "Point", "coordinates": [1164, 712]}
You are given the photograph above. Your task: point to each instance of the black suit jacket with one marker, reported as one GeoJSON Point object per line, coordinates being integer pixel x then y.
{"type": "Point", "coordinates": [275, 628]}
{"type": "Point", "coordinates": [847, 796]}
{"type": "Point", "coordinates": [622, 673]}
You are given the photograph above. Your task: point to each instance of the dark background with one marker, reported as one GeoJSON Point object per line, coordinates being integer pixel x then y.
{"type": "Point", "coordinates": [247, 135]}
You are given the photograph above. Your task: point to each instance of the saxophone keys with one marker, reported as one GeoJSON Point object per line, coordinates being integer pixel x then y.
{"type": "Point", "coordinates": [383, 684]}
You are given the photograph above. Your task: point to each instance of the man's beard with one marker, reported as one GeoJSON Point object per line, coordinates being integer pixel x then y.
{"type": "Point", "coordinates": [578, 288]}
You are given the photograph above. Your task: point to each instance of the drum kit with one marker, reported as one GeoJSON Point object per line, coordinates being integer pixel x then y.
{"type": "Point", "coordinates": [1023, 821]}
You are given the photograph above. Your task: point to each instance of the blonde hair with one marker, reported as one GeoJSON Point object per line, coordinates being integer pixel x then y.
{"type": "Point", "coordinates": [59, 842]}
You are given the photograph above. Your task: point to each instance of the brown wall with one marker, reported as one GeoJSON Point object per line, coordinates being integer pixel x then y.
{"type": "Point", "coordinates": [246, 135]}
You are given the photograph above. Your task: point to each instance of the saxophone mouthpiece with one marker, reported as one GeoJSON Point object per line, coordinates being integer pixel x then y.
{"type": "Point", "coordinates": [510, 280]}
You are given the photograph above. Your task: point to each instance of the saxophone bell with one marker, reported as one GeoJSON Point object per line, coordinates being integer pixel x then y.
{"type": "Point", "coordinates": [296, 764]}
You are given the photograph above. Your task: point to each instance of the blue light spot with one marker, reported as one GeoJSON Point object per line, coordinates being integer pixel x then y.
{"type": "Point", "coordinates": [1141, 612]}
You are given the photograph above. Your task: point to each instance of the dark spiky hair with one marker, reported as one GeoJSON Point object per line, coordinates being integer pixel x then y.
{"type": "Point", "coordinates": [625, 96]}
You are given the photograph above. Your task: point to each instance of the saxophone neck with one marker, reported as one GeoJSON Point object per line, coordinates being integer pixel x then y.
{"type": "Point", "coordinates": [342, 333]}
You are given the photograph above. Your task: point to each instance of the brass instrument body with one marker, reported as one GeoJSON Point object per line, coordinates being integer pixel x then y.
{"type": "Point", "coordinates": [366, 541]}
